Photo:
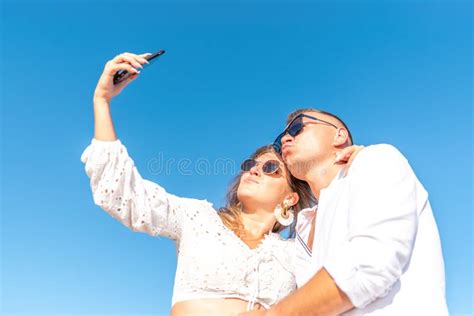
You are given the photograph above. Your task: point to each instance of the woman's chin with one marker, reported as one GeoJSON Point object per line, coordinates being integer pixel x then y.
{"type": "Point", "coordinates": [246, 194]}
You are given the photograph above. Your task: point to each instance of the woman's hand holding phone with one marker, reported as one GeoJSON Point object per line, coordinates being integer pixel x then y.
{"type": "Point", "coordinates": [122, 69]}
{"type": "Point", "coordinates": [132, 63]}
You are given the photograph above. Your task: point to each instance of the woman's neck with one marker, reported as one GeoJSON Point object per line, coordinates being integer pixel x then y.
{"type": "Point", "coordinates": [257, 223]}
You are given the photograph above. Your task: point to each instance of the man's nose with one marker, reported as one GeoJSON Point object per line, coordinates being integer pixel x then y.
{"type": "Point", "coordinates": [286, 138]}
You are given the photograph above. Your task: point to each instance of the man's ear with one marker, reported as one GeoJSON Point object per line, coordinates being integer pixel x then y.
{"type": "Point", "coordinates": [292, 199]}
{"type": "Point", "coordinates": [341, 138]}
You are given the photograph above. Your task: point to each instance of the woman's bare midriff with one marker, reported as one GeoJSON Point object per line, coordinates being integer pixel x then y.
{"type": "Point", "coordinates": [211, 307]}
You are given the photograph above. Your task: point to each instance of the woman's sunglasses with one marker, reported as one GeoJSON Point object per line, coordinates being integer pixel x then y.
{"type": "Point", "coordinates": [294, 128]}
{"type": "Point", "coordinates": [269, 167]}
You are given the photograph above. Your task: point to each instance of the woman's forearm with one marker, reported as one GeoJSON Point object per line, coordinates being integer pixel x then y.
{"type": "Point", "coordinates": [106, 89]}
{"type": "Point", "coordinates": [103, 125]}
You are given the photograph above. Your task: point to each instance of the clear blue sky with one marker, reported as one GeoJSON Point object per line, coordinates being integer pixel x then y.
{"type": "Point", "coordinates": [398, 72]}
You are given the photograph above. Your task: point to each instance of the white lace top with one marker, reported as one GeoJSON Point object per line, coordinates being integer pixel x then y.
{"type": "Point", "coordinates": [212, 261]}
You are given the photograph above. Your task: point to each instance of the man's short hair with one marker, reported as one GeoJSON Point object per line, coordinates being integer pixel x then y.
{"type": "Point", "coordinates": [300, 111]}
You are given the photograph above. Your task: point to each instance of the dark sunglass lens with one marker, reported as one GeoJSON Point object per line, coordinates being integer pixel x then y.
{"type": "Point", "coordinates": [247, 165]}
{"type": "Point", "coordinates": [271, 166]}
{"type": "Point", "coordinates": [295, 128]}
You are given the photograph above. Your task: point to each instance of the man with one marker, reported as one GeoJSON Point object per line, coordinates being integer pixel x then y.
{"type": "Point", "coordinates": [371, 246]}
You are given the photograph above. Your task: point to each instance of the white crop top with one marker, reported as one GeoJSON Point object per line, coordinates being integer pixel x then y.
{"type": "Point", "coordinates": [212, 262]}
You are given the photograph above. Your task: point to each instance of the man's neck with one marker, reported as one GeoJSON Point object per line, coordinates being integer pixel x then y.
{"type": "Point", "coordinates": [319, 177]}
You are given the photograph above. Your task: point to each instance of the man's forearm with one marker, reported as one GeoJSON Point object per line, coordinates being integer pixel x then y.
{"type": "Point", "coordinates": [320, 296]}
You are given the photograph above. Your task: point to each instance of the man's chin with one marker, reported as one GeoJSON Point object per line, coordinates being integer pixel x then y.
{"type": "Point", "coordinates": [288, 158]}
{"type": "Point", "coordinates": [294, 166]}
{"type": "Point", "coordinates": [286, 155]}
{"type": "Point", "coordinates": [291, 164]}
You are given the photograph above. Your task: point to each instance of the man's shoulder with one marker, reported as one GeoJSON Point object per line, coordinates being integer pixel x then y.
{"type": "Point", "coordinates": [378, 159]}
{"type": "Point", "coordinates": [382, 153]}
{"type": "Point", "coordinates": [382, 150]}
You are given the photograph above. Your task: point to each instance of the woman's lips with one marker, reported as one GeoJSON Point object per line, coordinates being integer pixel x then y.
{"type": "Point", "coordinates": [248, 180]}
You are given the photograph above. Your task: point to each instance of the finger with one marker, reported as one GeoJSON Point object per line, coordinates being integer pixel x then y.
{"type": "Point", "coordinates": [347, 156]}
{"type": "Point", "coordinates": [341, 157]}
{"type": "Point", "coordinates": [132, 77]}
{"type": "Point", "coordinates": [348, 152]}
{"type": "Point", "coordinates": [124, 83]}
{"type": "Point", "coordinates": [113, 68]}
{"type": "Point", "coordinates": [355, 154]}
{"type": "Point", "coordinates": [344, 155]}
{"type": "Point", "coordinates": [137, 58]}
{"type": "Point", "coordinates": [145, 55]}
{"type": "Point", "coordinates": [129, 59]}
{"type": "Point", "coordinates": [125, 58]}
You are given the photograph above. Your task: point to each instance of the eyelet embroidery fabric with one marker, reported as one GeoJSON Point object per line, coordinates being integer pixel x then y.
{"type": "Point", "coordinates": [212, 261]}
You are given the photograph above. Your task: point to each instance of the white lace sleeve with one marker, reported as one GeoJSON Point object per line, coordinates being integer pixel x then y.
{"type": "Point", "coordinates": [139, 204]}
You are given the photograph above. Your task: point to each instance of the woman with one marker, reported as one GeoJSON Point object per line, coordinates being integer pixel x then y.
{"type": "Point", "coordinates": [228, 261]}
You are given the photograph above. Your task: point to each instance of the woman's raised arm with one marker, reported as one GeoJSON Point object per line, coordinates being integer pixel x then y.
{"type": "Point", "coordinates": [117, 186]}
{"type": "Point", "coordinates": [106, 90]}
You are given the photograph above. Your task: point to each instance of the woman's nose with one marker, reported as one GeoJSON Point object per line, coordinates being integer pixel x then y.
{"type": "Point", "coordinates": [255, 171]}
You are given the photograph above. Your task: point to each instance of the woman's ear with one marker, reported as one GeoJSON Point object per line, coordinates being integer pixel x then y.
{"type": "Point", "coordinates": [291, 199]}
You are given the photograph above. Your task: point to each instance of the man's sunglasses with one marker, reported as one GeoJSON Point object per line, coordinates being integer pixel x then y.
{"type": "Point", "coordinates": [269, 167]}
{"type": "Point", "coordinates": [294, 128]}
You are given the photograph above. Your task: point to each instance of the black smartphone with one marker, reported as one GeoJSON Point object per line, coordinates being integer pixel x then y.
{"type": "Point", "coordinates": [121, 75]}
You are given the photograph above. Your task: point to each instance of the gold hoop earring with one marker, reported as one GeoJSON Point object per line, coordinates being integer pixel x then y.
{"type": "Point", "coordinates": [284, 215]}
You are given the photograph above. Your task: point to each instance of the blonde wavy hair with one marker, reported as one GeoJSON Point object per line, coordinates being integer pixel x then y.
{"type": "Point", "coordinates": [231, 213]}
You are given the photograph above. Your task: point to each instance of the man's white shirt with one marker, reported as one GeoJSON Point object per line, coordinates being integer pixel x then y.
{"type": "Point", "coordinates": [377, 237]}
